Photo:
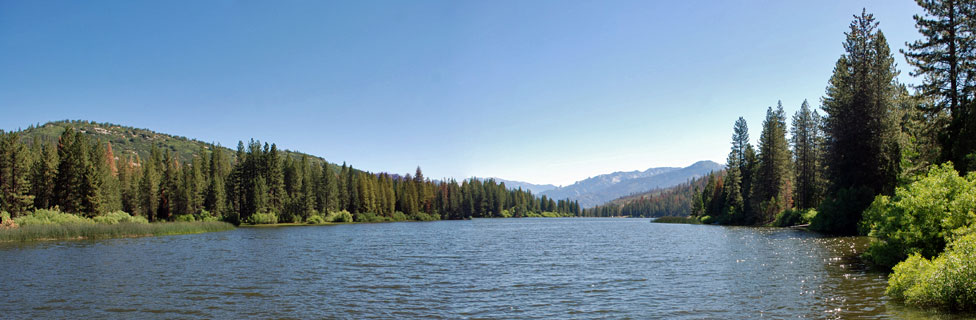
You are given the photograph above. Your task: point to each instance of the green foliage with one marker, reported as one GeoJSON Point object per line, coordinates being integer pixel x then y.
{"type": "Point", "coordinates": [793, 217]}
{"type": "Point", "coordinates": [116, 217]}
{"type": "Point", "coordinates": [840, 212]}
{"type": "Point", "coordinates": [943, 59]}
{"type": "Point", "coordinates": [773, 179]}
{"type": "Point", "coordinates": [399, 216]}
{"type": "Point", "coordinates": [45, 216]}
{"type": "Point", "coordinates": [944, 282]}
{"type": "Point", "coordinates": [339, 216]}
{"type": "Point", "coordinates": [103, 231]}
{"type": "Point", "coordinates": [316, 219]}
{"type": "Point", "coordinates": [184, 218]}
{"type": "Point", "coordinates": [707, 219]}
{"type": "Point", "coordinates": [921, 217]}
{"type": "Point", "coordinates": [862, 154]}
{"type": "Point", "coordinates": [263, 218]}
{"type": "Point", "coordinates": [807, 141]}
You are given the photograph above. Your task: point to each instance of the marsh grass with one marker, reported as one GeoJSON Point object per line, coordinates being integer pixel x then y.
{"type": "Point", "coordinates": [104, 231]}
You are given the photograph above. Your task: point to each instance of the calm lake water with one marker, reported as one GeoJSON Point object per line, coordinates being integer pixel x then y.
{"type": "Point", "coordinates": [491, 268]}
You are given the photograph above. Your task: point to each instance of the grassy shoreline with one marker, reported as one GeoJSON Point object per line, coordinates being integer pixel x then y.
{"type": "Point", "coordinates": [90, 231]}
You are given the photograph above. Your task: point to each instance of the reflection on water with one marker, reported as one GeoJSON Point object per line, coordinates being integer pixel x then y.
{"type": "Point", "coordinates": [493, 268]}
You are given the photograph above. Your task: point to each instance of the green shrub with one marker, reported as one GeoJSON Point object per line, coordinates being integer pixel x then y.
{"type": "Point", "coordinates": [184, 218]}
{"type": "Point", "coordinates": [367, 217]}
{"type": "Point", "coordinates": [339, 216]}
{"type": "Point", "coordinates": [263, 218]}
{"type": "Point", "coordinates": [400, 216]}
{"type": "Point", "coordinates": [945, 282]}
{"type": "Point", "coordinates": [793, 217]}
{"type": "Point", "coordinates": [550, 214]}
{"type": "Point", "coordinates": [839, 213]}
{"type": "Point", "coordinates": [921, 217]}
{"type": "Point", "coordinates": [316, 219]}
{"type": "Point", "coordinates": [707, 220]}
{"type": "Point", "coordinates": [207, 216]}
{"type": "Point", "coordinates": [119, 217]}
{"type": "Point", "coordinates": [45, 216]}
{"type": "Point", "coordinates": [423, 216]}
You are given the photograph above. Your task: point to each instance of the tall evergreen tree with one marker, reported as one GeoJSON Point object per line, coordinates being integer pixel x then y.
{"type": "Point", "coordinates": [275, 179]}
{"type": "Point", "coordinates": [945, 58]}
{"type": "Point", "coordinates": [737, 166]}
{"type": "Point", "coordinates": [807, 167]}
{"type": "Point", "coordinates": [862, 157]}
{"type": "Point", "coordinates": [149, 184]}
{"type": "Point", "coordinates": [771, 190]}
{"type": "Point", "coordinates": [15, 196]}
{"type": "Point", "coordinates": [215, 199]}
{"type": "Point", "coordinates": [43, 175]}
{"type": "Point", "coordinates": [110, 193]}
{"type": "Point", "coordinates": [330, 190]}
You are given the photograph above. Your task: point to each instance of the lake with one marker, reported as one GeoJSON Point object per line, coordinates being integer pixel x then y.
{"type": "Point", "coordinates": [483, 268]}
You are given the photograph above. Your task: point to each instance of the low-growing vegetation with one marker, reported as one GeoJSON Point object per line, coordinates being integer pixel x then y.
{"type": "Point", "coordinates": [926, 231]}
{"type": "Point", "coordinates": [56, 225]}
{"type": "Point", "coordinates": [794, 217]}
{"type": "Point", "coordinates": [921, 217]}
{"type": "Point", "coordinates": [944, 282]}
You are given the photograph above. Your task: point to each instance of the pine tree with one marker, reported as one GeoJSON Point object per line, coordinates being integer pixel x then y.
{"type": "Point", "coordinates": [43, 175]}
{"type": "Point", "coordinates": [15, 197]}
{"type": "Point", "coordinates": [103, 160]}
{"type": "Point", "coordinates": [215, 199]}
{"type": "Point", "coordinates": [149, 184]}
{"type": "Point", "coordinates": [129, 184]}
{"type": "Point", "coordinates": [734, 194]}
{"type": "Point", "coordinates": [364, 189]}
{"type": "Point", "coordinates": [69, 173]}
{"type": "Point", "coordinates": [169, 192]}
{"type": "Point", "coordinates": [945, 59]}
{"type": "Point", "coordinates": [770, 191]}
{"type": "Point", "coordinates": [862, 154]}
{"type": "Point", "coordinates": [352, 191]}
{"type": "Point", "coordinates": [330, 190]}
{"type": "Point", "coordinates": [306, 192]}
{"type": "Point", "coordinates": [807, 166]}
{"type": "Point", "coordinates": [275, 179]}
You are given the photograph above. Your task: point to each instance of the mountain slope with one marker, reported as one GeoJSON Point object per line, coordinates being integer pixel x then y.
{"type": "Point", "coordinates": [132, 141]}
{"type": "Point", "coordinates": [600, 189]}
{"type": "Point", "coordinates": [534, 188]}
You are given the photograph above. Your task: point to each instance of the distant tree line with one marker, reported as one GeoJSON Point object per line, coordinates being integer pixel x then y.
{"type": "Point", "coordinates": [673, 201]}
{"type": "Point", "coordinates": [78, 175]}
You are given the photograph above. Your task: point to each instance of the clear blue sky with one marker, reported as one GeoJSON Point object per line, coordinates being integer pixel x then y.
{"type": "Point", "coordinates": [539, 91]}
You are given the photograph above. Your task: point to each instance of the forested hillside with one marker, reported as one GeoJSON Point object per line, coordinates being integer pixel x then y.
{"type": "Point", "coordinates": [133, 141]}
{"type": "Point", "coordinates": [94, 169]}
{"type": "Point", "coordinates": [674, 201]}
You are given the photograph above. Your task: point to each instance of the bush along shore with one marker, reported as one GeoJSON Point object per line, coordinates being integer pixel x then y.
{"type": "Point", "coordinates": [56, 225]}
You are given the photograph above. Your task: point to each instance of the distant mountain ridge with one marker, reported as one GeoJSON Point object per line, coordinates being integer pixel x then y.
{"type": "Point", "coordinates": [603, 188]}
{"type": "Point", "coordinates": [512, 184]}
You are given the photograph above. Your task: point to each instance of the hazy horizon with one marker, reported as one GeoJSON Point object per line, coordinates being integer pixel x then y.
{"type": "Point", "coordinates": [543, 92]}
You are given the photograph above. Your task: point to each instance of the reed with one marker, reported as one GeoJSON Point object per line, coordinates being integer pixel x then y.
{"type": "Point", "coordinates": [103, 231]}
